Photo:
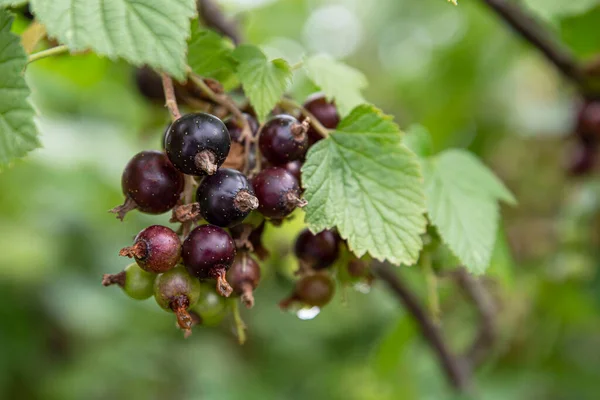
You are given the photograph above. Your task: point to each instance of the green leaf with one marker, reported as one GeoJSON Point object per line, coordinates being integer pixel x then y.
{"type": "Point", "coordinates": [581, 33]}
{"type": "Point", "coordinates": [264, 81]}
{"type": "Point", "coordinates": [209, 53]}
{"type": "Point", "coordinates": [462, 202]}
{"type": "Point", "coordinates": [12, 3]}
{"type": "Point", "coordinates": [18, 133]}
{"type": "Point", "coordinates": [152, 32]}
{"type": "Point", "coordinates": [419, 140]}
{"type": "Point", "coordinates": [552, 9]}
{"type": "Point", "coordinates": [363, 181]}
{"type": "Point", "coordinates": [337, 80]}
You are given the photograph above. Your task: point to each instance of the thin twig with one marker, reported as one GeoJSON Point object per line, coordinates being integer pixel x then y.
{"type": "Point", "coordinates": [170, 99]}
{"type": "Point", "coordinates": [433, 297]}
{"type": "Point", "coordinates": [212, 16]}
{"type": "Point", "coordinates": [532, 31]}
{"type": "Point", "coordinates": [486, 308]}
{"type": "Point", "coordinates": [240, 326]}
{"type": "Point", "coordinates": [289, 104]}
{"type": "Point", "coordinates": [455, 368]}
{"type": "Point", "coordinates": [54, 51]}
{"type": "Point", "coordinates": [187, 196]}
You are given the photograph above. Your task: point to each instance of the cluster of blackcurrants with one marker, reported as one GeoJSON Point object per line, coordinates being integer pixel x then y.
{"type": "Point", "coordinates": [174, 266]}
{"type": "Point", "coordinates": [584, 153]}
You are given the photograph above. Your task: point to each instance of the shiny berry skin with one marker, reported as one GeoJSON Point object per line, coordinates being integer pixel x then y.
{"type": "Point", "coordinates": [277, 191]}
{"type": "Point", "coordinates": [226, 198]}
{"type": "Point", "coordinates": [317, 251]}
{"type": "Point", "coordinates": [243, 276]}
{"type": "Point", "coordinates": [150, 184]}
{"type": "Point", "coordinates": [177, 291]}
{"type": "Point", "coordinates": [211, 307]}
{"type": "Point", "coordinates": [198, 144]}
{"type": "Point", "coordinates": [208, 252]}
{"type": "Point", "coordinates": [311, 290]}
{"type": "Point", "coordinates": [155, 249]}
{"type": "Point", "coordinates": [325, 112]}
{"type": "Point", "coordinates": [135, 282]}
{"type": "Point", "coordinates": [283, 139]}
{"type": "Point", "coordinates": [294, 168]}
{"type": "Point", "coordinates": [235, 129]}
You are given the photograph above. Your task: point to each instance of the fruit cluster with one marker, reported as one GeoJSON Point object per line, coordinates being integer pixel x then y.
{"type": "Point", "coordinates": [217, 241]}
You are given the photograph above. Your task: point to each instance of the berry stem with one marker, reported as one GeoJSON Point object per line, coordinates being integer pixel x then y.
{"type": "Point", "coordinates": [240, 326]}
{"type": "Point", "coordinates": [291, 105]}
{"type": "Point", "coordinates": [54, 51]}
{"type": "Point", "coordinates": [433, 298]}
{"type": "Point", "coordinates": [170, 99]}
{"type": "Point", "coordinates": [223, 287]}
{"type": "Point", "coordinates": [114, 279]}
{"type": "Point", "coordinates": [190, 210]}
{"type": "Point", "coordinates": [205, 160]}
{"type": "Point", "coordinates": [123, 209]}
{"type": "Point", "coordinates": [138, 250]}
{"type": "Point", "coordinates": [184, 319]}
{"type": "Point", "coordinates": [244, 201]}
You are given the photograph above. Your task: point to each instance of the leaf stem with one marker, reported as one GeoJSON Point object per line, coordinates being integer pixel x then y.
{"type": "Point", "coordinates": [170, 99]}
{"type": "Point", "coordinates": [240, 326]}
{"type": "Point", "coordinates": [433, 297]}
{"type": "Point", "coordinates": [54, 51]}
{"type": "Point", "coordinates": [290, 104]}
{"type": "Point", "coordinates": [297, 65]}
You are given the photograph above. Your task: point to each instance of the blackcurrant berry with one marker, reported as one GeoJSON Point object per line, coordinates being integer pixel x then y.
{"type": "Point", "coordinates": [135, 282]}
{"type": "Point", "coordinates": [226, 198]}
{"type": "Point", "coordinates": [243, 276]}
{"type": "Point", "coordinates": [176, 291]}
{"type": "Point", "coordinates": [325, 112]}
{"type": "Point", "coordinates": [311, 290]}
{"type": "Point", "coordinates": [248, 237]}
{"type": "Point", "coordinates": [208, 252]}
{"type": "Point", "coordinates": [197, 144]}
{"type": "Point", "coordinates": [581, 159]}
{"type": "Point", "coordinates": [155, 249]}
{"type": "Point", "coordinates": [149, 84]}
{"type": "Point", "coordinates": [283, 139]}
{"type": "Point", "coordinates": [316, 251]}
{"type": "Point", "coordinates": [150, 183]}
{"type": "Point", "coordinates": [211, 307]}
{"type": "Point", "coordinates": [235, 128]}
{"type": "Point", "coordinates": [277, 191]}
{"type": "Point", "coordinates": [294, 168]}
{"type": "Point", "coordinates": [588, 122]}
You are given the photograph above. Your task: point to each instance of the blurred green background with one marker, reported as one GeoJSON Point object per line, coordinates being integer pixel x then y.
{"type": "Point", "coordinates": [456, 70]}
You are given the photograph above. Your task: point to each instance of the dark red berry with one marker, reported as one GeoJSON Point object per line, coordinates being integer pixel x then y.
{"type": "Point", "coordinates": [588, 122]}
{"type": "Point", "coordinates": [208, 252]}
{"type": "Point", "coordinates": [198, 144]}
{"type": "Point", "coordinates": [177, 291]}
{"type": "Point", "coordinates": [226, 198]}
{"type": "Point", "coordinates": [243, 276]}
{"type": "Point", "coordinates": [317, 251]}
{"type": "Point", "coordinates": [312, 290]}
{"type": "Point", "coordinates": [150, 183]}
{"type": "Point", "coordinates": [294, 168]}
{"type": "Point", "coordinates": [149, 84]}
{"type": "Point", "coordinates": [155, 249]}
{"type": "Point", "coordinates": [581, 159]}
{"type": "Point", "coordinates": [235, 128]}
{"type": "Point", "coordinates": [283, 139]}
{"type": "Point", "coordinates": [278, 192]}
{"type": "Point", "coordinates": [325, 112]}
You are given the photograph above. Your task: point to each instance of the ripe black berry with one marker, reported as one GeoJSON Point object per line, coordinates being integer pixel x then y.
{"type": "Point", "coordinates": [135, 282]}
{"type": "Point", "coordinates": [316, 251]}
{"type": "Point", "coordinates": [208, 252]}
{"type": "Point", "coordinates": [294, 168]}
{"type": "Point", "coordinates": [155, 249]}
{"type": "Point", "coordinates": [226, 198]}
{"type": "Point", "coordinates": [235, 128]}
{"type": "Point", "coordinates": [324, 111]}
{"type": "Point", "coordinates": [283, 139]}
{"type": "Point", "coordinates": [588, 122]}
{"type": "Point", "coordinates": [149, 84]}
{"type": "Point", "coordinates": [150, 183]}
{"type": "Point", "coordinates": [197, 144]}
{"type": "Point", "coordinates": [278, 192]}
{"type": "Point", "coordinates": [581, 159]}
{"type": "Point", "coordinates": [176, 291]}
{"type": "Point", "coordinates": [312, 290]}
{"type": "Point", "coordinates": [243, 276]}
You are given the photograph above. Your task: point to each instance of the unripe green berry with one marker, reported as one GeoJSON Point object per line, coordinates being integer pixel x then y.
{"type": "Point", "coordinates": [211, 307]}
{"type": "Point", "coordinates": [135, 282]}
